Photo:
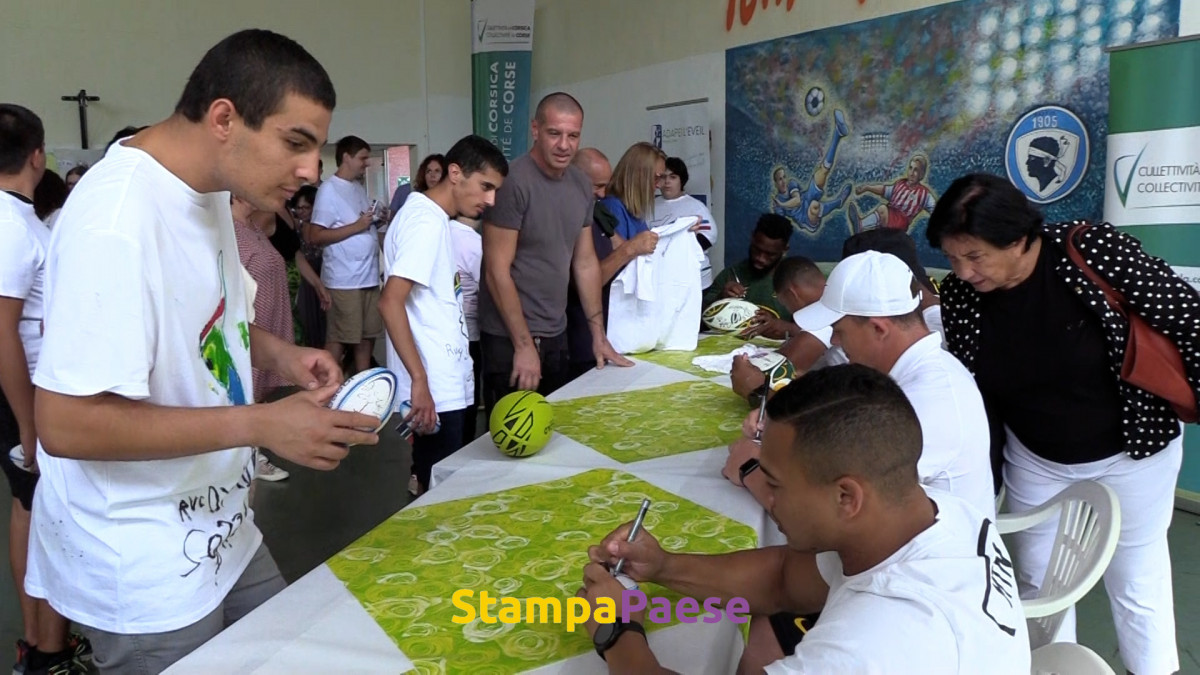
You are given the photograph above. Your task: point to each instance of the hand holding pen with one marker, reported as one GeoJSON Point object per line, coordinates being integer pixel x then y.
{"type": "Point", "coordinates": [631, 550]}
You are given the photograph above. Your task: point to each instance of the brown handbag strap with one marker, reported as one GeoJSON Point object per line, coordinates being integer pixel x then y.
{"type": "Point", "coordinates": [1114, 297]}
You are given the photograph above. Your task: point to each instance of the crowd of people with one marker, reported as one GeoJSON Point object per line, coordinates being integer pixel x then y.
{"type": "Point", "coordinates": [151, 349]}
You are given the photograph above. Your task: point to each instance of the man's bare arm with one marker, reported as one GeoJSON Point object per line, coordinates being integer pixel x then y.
{"type": "Point", "coordinates": [320, 235]}
{"type": "Point", "coordinates": [500, 245]}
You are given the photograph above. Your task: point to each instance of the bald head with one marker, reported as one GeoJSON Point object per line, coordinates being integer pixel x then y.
{"type": "Point", "coordinates": [597, 167]}
{"type": "Point", "coordinates": [560, 102]}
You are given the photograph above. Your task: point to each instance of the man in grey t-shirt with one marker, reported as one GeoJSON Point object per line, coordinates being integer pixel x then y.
{"type": "Point", "coordinates": [535, 239]}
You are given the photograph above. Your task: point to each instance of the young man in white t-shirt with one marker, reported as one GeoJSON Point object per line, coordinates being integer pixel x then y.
{"type": "Point", "coordinates": [142, 527]}
{"type": "Point", "coordinates": [906, 580]}
{"type": "Point", "coordinates": [422, 302]}
{"type": "Point", "coordinates": [344, 223]}
{"type": "Point", "coordinates": [674, 203]}
{"type": "Point", "coordinates": [23, 242]}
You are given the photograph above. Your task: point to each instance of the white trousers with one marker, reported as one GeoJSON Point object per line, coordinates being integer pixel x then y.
{"type": "Point", "coordinates": [1138, 579]}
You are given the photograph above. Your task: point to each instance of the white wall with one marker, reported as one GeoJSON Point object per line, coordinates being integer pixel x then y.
{"type": "Point", "coordinates": [401, 68]}
{"type": "Point", "coordinates": [615, 112]}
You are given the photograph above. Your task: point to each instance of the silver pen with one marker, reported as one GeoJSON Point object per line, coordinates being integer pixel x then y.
{"type": "Point", "coordinates": [762, 410]}
{"type": "Point", "coordinates": [637, 525]}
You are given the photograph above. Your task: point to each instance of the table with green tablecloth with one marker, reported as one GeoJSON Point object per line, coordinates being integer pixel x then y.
{"type": "Point", "coordinates": [521, 528]}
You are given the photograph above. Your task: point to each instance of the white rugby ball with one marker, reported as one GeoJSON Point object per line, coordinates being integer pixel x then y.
{"type": "Point", "coordinates": [371, 392]}
{"type": "Point", "coordinates": [730, 315]}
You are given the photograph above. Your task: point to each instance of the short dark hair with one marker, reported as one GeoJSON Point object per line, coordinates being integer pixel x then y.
{"type": "Point", "coordinates": [21, 134]}
{"type": "Point", "coordinates": [895, 242]}
{"type": "Point", "coordinates": [560, 101]}
{"type": "Point", "coordinates": [77, 170]}
{"type": "Point", "coordinates": [49, 195]}
{"type": "Point", "coordinates": [255, 69]}
{"type": "Point", "coordinates": [419, 183]}
{"type": "Point", "coordinates": [987, 207]}
{"type": "Point", "coordinates": [306, 192]}
{"type": "Point", "coordinates": [679, 168]}
{"type": "Point", "coordinates": [795, 270]}
{"type": "Point", "coordinates": [774, 226]}
{"type": "Point", "coordinates": [476, 153]}
{"type": "Point", "coordinates": [852, 420]}
{"type": "Point", "coordinates": [349, 145]}
{"type": "Point", "coordinates": [125, 132]}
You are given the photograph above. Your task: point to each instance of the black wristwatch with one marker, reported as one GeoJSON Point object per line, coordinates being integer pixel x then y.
{"type": "Point", "coordinates": [607, 634]}
{"type": "Point", "coordinates": [747, 468]}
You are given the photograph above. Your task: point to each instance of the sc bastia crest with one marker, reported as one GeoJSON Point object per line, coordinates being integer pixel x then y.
{"type": "Point", "coordinates": [1047, 153]}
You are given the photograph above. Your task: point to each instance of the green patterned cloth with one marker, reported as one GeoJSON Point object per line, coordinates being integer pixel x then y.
{"type": "Point", "coordinates": [525, 542]}
{"type": "Point", "coordinates": [708, 346]}
{"type": "Point", "coordinates": [643, 424]}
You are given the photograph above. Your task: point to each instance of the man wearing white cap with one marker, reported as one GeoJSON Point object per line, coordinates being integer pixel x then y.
{"type": "Point", "coordinates": [873, 304]}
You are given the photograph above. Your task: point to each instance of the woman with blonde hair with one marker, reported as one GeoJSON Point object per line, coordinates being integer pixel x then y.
{"type": "Point", "coordinates": [630, 193]}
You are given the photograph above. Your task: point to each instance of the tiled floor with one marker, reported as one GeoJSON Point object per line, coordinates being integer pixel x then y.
{"type": "Point", "coordinates": [312, 515]}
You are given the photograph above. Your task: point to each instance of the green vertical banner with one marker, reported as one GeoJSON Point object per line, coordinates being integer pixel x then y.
{"type": "Point", "coordinates": [502, 72]}
{"type": "Point", "coordinates": [1152, 186]}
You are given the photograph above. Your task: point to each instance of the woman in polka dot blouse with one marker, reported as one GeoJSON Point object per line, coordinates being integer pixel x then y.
{"type": "Point", "coordinates": [1046, 351]}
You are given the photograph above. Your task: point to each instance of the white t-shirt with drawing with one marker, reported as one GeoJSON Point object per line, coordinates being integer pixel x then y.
{"type": "Point", "coordinates": [468, 258]}
{"type": "Point", "coordinates": [353, 262]}
{"type": "Point", "coordinates": [946, 602]}
{"type": "Point", "coordinates": [23, 242]}
{"type": "Point", "coordinates": [666, 210]}
{"type": "Point", "coordinates": [146, 299]}
{"type": "Point", "coordinates": [418, 248]}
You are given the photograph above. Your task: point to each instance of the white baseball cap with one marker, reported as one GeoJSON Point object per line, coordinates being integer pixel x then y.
{"type": "Point", "coordinates": [865, 284]}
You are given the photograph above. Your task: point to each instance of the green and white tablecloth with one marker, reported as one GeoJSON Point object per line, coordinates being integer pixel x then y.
{"type": "Point", "coordinates": [523, 527]}
{"type": "Point", "coordinates": [524, 542]}
{"type": "Point", "coordinates": [709, 345]}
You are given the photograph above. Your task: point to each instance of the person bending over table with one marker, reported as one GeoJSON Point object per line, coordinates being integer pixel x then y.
{"type": "Point", "coordinates": [798, 283]}
{"type": "Point", "coordinates": [905, 578]}
{"type": "Point", "coordinates": [751, 279]}
{"type": "Point", "coordinates": [1047, 353]}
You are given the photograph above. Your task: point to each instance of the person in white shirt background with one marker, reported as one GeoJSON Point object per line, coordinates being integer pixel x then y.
{"type": "Point", "coordinates": [673, 203]}
{"type": "Point", "coordinates": [23, 243]}
{"type": "Point", "coordinates": [908, 579]}
{"type": "Point", "coordinates": [467, 244]}
{"type": "Point", "coordinates": [142, 529]}
{"type": "Point", "coordinates": [872, 301]}
{"type": "Point", "coordinates": [900, 244]}
{"type": "Point", "coordinates": [421, 304]}
{"type": "Point", "coordinates": [344, 223]}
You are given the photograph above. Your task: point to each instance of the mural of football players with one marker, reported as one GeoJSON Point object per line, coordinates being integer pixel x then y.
{"type": "Point", "coordinates": [804, 207]}
{"type": "Point", "coordinates": [903, 200]}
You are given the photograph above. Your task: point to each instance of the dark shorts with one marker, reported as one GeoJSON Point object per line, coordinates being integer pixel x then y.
{"type": "Point", "coordinates": [431, 449]}
{"type": "Point", "coordinates": [788, 631]}
{"type": "Point", "coordinates": [21, 482]}
{"type": "Point", "coordinates": [498, 363]}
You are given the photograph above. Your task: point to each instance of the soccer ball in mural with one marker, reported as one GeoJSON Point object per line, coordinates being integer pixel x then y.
{"type": "Point", "coordinates": [814, 101]}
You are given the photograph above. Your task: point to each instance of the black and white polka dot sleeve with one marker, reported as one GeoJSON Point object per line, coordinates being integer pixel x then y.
{"type": "Point", "coordinates": [1151, 288]}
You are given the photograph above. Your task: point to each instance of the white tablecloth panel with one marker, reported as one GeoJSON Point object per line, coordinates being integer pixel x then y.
{"type": "Point", "coordinates": [562, 451]}
{"type": "Point", "coordinates": [316, 625]}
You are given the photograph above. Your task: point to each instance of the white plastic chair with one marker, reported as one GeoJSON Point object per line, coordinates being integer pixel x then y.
{"type": "Point", "coordinates": [1089, 523]}
{"type": "Point", "coordinates": [1068, 658]}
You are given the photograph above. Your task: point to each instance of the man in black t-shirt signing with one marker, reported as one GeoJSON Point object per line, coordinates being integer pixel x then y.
{"type": "Point", "coordinates": [536, 239]}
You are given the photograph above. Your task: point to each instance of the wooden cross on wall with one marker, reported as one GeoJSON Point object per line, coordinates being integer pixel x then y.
{"type": "Point", "coordinates": [82, 99]}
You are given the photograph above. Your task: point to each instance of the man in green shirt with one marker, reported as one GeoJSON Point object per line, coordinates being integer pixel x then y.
{"type": "Point", "coordinates": [751, 279]}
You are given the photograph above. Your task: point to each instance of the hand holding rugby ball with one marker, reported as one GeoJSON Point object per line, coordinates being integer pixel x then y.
{"type": "Point", "coordinates": [371, 392]}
